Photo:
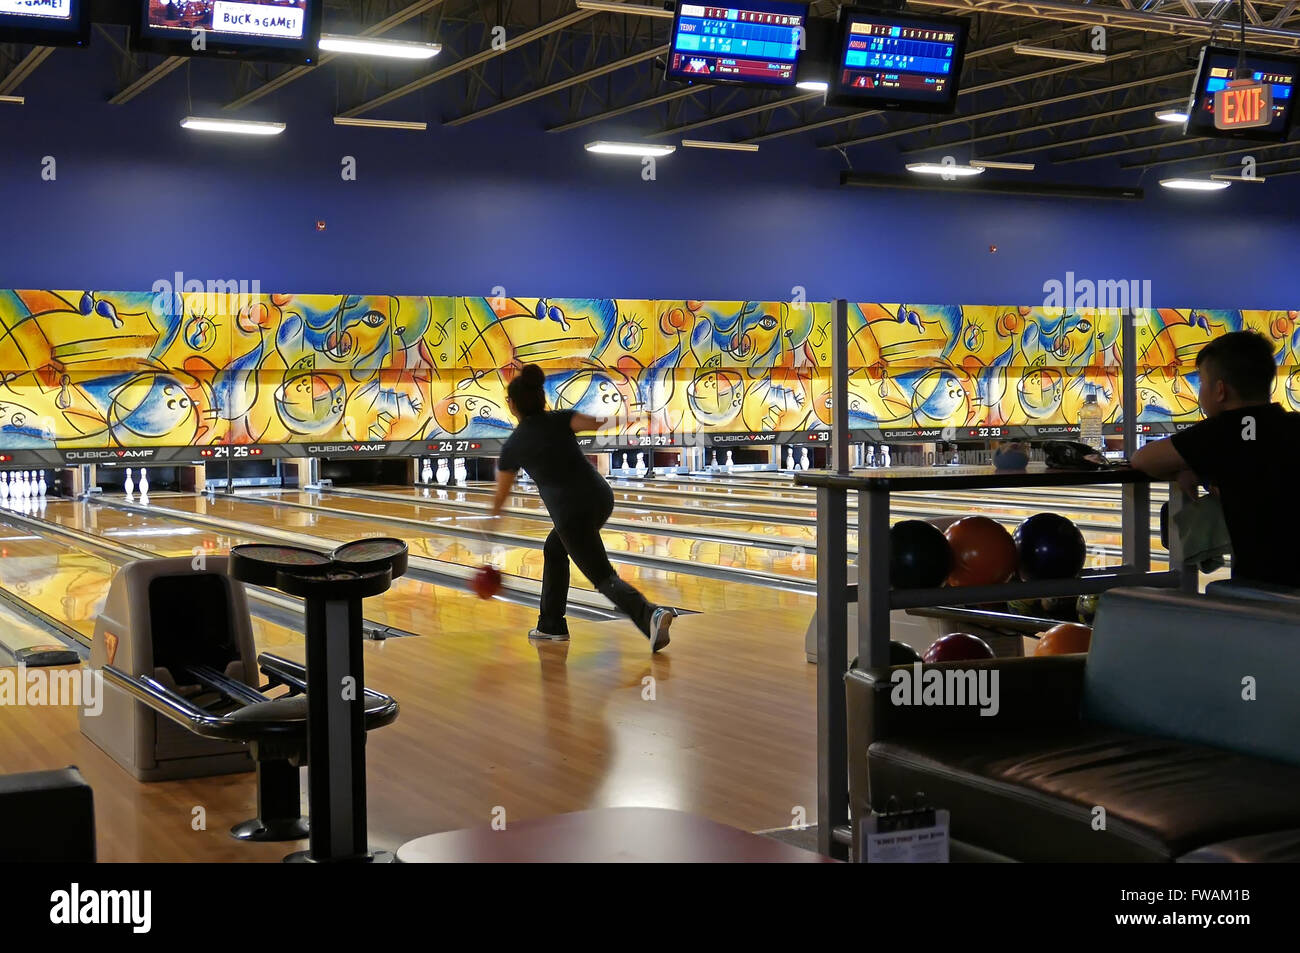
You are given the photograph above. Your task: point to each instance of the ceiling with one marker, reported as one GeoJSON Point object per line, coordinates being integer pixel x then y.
{"type": "Point", "coordinates": [576, 69]}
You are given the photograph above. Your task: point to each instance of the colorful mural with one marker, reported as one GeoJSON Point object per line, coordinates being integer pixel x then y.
{"type": "Point", "coordinates": [132, 369]}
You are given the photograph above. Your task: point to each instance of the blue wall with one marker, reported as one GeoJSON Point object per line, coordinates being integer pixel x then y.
{"type": "Point", "coordinates": [500, 202]}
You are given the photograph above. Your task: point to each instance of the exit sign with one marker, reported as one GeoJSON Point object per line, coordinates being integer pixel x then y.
{"type": "Point", "coordinates": [1243, 104]}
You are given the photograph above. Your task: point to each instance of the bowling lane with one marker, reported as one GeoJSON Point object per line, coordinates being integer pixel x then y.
{"type": "Point", "coordinates": [412, 604]}
{"type": "Point", "coordinates": [688, 591]}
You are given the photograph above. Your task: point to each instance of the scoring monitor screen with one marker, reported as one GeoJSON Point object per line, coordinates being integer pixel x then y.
{"type": "Point", "coordinates": [286, 30]}
{"type": "Point", "coordinates": [1218, 67]}
{"type": "Point", "coordinates": [889, 61]}
{"type": "Point", "coordinates": [755, 43]}
{"type": "Point", "coordinates": [44, 22]}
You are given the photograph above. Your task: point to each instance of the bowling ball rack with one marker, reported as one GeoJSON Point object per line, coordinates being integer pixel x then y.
{"type": "Point", "coordinates": [876, 598]}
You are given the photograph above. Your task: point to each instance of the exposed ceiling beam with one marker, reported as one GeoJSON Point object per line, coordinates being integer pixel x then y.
{"type": "Point", "coordinates": [1117, 17]}
{"type": "Point", "coordinates": [25, 68]}
{"type": "Point", "coordinates": [1258, 147]}
{"type": "Point", "coordinates": [298, 72]}
{"type": "Point", "coordinates": [556, 87]}
{"type": "Point", "coordinates": [469, 62]}
{"type": "Point", "coordinates": [148, 78]}
{"type": "Point", "coordinates": [630, 107]}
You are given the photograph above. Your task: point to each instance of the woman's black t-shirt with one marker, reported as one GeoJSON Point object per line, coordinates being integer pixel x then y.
{"type": "Point", "coordinates": [546, 446]}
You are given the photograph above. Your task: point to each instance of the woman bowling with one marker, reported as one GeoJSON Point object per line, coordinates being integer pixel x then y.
{"type": "Point", "coordinates": [579, 502]}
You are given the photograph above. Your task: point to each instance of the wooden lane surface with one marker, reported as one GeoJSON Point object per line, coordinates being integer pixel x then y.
{"type": "Point", "coordinates": [725, 728]}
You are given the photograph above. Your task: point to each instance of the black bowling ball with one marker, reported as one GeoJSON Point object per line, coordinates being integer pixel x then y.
{"type": "Point", "coordinates": [920, 557]}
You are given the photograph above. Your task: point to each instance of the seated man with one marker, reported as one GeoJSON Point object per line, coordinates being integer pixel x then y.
{"type": "Point", "coordinates": [1247, 448]}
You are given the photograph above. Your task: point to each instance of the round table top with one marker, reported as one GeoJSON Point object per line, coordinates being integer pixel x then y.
{"type": "Point", "coordinates": [605, 835]}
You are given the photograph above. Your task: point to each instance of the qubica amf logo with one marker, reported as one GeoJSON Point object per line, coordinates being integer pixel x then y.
{"type": "Point", "coordinates": [975, 687]}
{"type": "Point", "coordinates": [1105, 294]}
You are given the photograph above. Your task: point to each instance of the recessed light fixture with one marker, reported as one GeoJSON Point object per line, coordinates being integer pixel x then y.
{"type": "Point", "coordinates": [1171, 115]}
{"type": "Point", "coordinates": [813, 85]}
{"type": "Point", "coordinates": [728, 146]}
{"type": "Point", "coordinates": [13, 100]}
{"type": "Point", "coordinates": [637, 9]}
{"type": "Point", "coordinates": [994, 164]}
{"type": "Point", "coordinates": [1224, 177]}
{"type": "Point", "coordinates": [240, 127]}
{"type": "Point", "coordinates": [1194, 185]}
{"type": "Point", "coordinates": [628, 148]}
{"type": "Point", "coordinates": [1081, 56]}
{"type": "Point", "coordinates": [938, 168]}
{"type": "Point", "coordinates": [370, 46]}
{"type": "Point", "coordinates": [380, 123]}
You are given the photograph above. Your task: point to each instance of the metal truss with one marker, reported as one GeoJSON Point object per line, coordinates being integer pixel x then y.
{"type": "Point", "coordinates": [15, 68]}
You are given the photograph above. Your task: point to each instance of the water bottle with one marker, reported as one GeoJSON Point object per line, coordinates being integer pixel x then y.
{"type": "Point", "coordinates": [1090, 423]}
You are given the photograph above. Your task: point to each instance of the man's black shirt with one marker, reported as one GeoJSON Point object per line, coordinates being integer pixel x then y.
{"type": "Point", "coordinates": [1252, 456]}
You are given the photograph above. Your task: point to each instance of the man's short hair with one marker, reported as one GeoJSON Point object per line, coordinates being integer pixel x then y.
{"type": "Point", "coordinates": [1244, 361]}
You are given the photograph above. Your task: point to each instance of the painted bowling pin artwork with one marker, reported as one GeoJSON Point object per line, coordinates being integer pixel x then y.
{"type": "Point", "coordinates": [803, 459]}
{"type": "Point", "coordinates": [129, 484]}
{"type": "Point", "coordinates": [444, 471]}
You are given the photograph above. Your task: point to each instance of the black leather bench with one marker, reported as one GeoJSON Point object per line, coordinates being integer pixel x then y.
{"type": "Point", "coordinates": [50, 817]}
{"type": "Point", "coordinates": [1150, 728]}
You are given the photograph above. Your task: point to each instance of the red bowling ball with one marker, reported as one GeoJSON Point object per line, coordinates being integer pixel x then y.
{"type": "Point", "coordinates": [957, 647]}
{"type": "Point", "coordinates": [486, 582]}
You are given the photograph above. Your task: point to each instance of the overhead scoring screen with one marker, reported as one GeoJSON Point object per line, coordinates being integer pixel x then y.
{"type": "Point", "coordinates": [755, 42]}
{"type": "Point", "coordinates": [285, 30]}
{"type": "Point", "coordinates": [1218, 67]}
{"type": "Point", "coordinates": [44, 22]}
{"type": "Point", "coordinates": [899, 62]}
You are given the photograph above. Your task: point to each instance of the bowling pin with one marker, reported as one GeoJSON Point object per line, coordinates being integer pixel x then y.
{"type": "Point", "coordinates": [955, 458]}
{"type": "Point", "coordinates": [460, 472]}
{"type": "Point", "coordinates": [22, 484]}
{"type": "Point", "coordinates": [129, 484]}
{"type": "Point", "coordinates": [884, 455]}
{"type": "Point", "coordinates": [871, 455]}
{"type": "Point", "coordinates": [728, 461]}
{"type": "Point", "coordinates": [789, 458]}
{"type": "Point", "coordinates": [4, 486]}
{"type": "Point", "coordinates": [715, 461]}
{"type": "Point", "coordinates": [803, 459]}
{"type": "Point", "coordinates": [640, 464]}
{"type": "Point", "coordinates": [41, 487]}
{"type": "Point", "coordinates": [444, 471]}
{"type": "Point", "coordinates": [625, 466]}
{"type": "Point", "coordinates": [144, 481]}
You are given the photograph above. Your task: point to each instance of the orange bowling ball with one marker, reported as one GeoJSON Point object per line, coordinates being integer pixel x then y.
{"type": "Point", "coordinates": [983, 552]}
{"type": "Point", "coordinates": [1068, 638]}
{"type": "Point", "coordinates": [486, 582]}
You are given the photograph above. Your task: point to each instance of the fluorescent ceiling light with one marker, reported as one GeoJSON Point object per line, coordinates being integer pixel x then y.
{"type": "Point", "coordinates": [380, 123]}
{"type": "Point", "coordinates": [1171, 115]}
{"type": "Point", "coordinates": [1082, 56]}
{"type": "Point", "coordinates": [1224, 177]}
{"type": "Point", "coordinates": [993, 164]}
{"type": "Point", "coordinates": [629, 148]}
{"type": "Point", "coordinates": [813, 85]}
{"type": "Point", "coordinates": [13, 100]}
{"type": "Point", "coordinates": [237, 126]}
{"type": "Point", "coordinates": [606, 7]}
{"type": "Point", "coordinates": [1194, 185]}
{"type": "Point", "coordinates": [937, 168]}
{"type": "Point", "coordinates": [370, 46]}
{"type": "Point", "coordinates": [730, 146]}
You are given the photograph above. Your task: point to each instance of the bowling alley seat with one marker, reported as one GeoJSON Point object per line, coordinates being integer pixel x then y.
{"type": "Point", "coordinates": [1173, 739]}
{"type": "Point", "coordinates": [175, 637]}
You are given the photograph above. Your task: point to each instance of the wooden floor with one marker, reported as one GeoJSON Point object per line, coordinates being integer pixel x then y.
{"type": "Point", "coordinates": [723, 723]}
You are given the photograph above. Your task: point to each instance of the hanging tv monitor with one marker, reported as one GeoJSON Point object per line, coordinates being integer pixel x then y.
{"type": "Point", "coordinates": [45, 22]}
{"type": "Point", "coordinates": [903, 61]}
{"type": "Point", "coordinates": [279, 31]}
{"type": "Point", "coordinates": [749, 43]}
{"type": "Point", "coordinates": [1218, 68]}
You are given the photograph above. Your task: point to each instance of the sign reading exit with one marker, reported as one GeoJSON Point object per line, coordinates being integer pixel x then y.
{"type": "Point", "coordinates": [1243, 104]}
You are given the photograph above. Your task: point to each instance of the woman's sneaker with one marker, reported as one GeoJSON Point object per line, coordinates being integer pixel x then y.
{"type": "Point", "coordinates": [660, 621]}
{"type": "Point", "coordinates": [546, 636]}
